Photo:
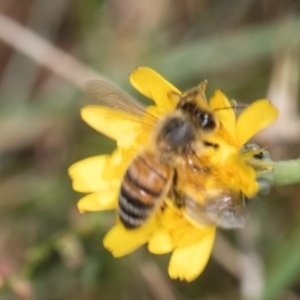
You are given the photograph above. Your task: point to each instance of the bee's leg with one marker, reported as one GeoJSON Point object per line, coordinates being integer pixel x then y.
{"type": "Point", "coordinates": [175, 195]}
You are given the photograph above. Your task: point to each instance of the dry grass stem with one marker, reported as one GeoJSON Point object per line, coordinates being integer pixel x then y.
{"type": "Point", "coordinates": [44, 53]}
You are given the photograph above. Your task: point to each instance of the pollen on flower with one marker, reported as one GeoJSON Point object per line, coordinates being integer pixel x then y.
{"type": "Point", "coordinates": [171, 197]}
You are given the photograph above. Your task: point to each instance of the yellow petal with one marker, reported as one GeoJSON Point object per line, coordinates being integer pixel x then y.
{"type": "Point", "coordinates": [219, 103]}
{"type": "Point", "coordinates": [171, 219]}
{"type": "Point", "coordinates": [188, 262]}
{"type": "Point", "coordinates": [160, 242]}
{"type": "Point", "coordinates": [156, 111]}
{"type": "Point", "coordinates": [121, 241]}
{"type": "Point", "coordinates": [242, 176]}
{"type": "Point", "coordinates": [117, 163]}
{"type": "Point", "coordinates": [120, 126]}
{"type": "Point", "coordinates": [254, 118]}
{"type": "Point", "coordinates": [219, 156]}
{"type": "Point", "coordinates": [186, 235]}
{"type": "Point", "coordinates": [87, 174]}
{"type": "Point", "coordinates": [103, 200]}
{"type": "Point", "coordinates": [153, 86]}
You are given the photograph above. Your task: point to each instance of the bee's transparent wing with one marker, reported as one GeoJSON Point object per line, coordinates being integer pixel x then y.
{"type": "Point", "coordinates": [104, 93]}
{"type": "Point", "coordinates": [225, 209]}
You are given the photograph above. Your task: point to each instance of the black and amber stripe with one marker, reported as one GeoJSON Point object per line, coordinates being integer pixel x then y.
{"type": "Point", "coordinates": [145, 183]}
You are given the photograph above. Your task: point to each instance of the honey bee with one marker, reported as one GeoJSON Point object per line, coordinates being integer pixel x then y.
{"type": "Point", "coordinates": [169, 166]}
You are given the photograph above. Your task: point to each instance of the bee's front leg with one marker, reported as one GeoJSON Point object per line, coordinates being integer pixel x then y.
{"type": "Point", "coordinates": [175, 195]}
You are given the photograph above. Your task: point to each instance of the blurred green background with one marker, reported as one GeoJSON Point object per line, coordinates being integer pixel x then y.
{"type": "Point", "coordinates": [247, 48]}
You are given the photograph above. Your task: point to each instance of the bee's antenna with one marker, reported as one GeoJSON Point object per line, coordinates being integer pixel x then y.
{"type": "Point", "coordinates": [202, 87]}
{"type": "Point", "coordinates": [233, 107]}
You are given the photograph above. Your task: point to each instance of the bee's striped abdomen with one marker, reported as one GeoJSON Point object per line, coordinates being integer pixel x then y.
{"type": "Point", "coordinates": [145, 183]}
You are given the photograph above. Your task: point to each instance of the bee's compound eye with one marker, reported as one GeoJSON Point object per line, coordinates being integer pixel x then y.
{"type": "Point", "coordinates": [206, 120]}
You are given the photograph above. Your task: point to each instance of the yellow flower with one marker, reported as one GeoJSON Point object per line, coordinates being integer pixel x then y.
{"type": "Point", "coordinates": [169, 230]}
{"type": "Point", "coordinates": [232, 167]}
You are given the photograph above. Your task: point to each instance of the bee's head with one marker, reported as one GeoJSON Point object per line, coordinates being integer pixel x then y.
{"type": "Point", "coordinates": [194, 104]}
{"type": "Point", "coordinates": [201, 115]}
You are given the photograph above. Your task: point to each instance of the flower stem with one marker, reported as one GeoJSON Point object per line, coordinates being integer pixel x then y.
{"type": "Point", "coordinates": [287, 172]}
